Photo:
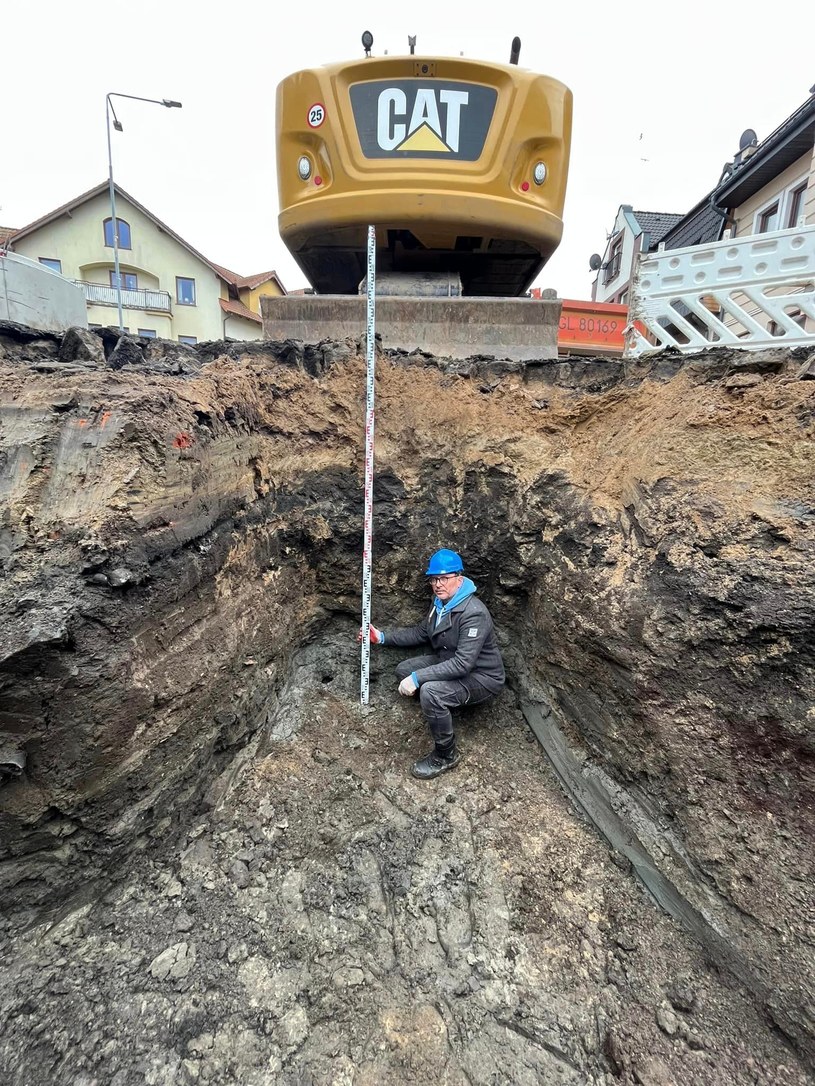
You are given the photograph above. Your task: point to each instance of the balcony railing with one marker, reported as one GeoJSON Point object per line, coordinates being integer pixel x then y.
{"type": "Point", "coordinates": [100, 294]}
{"type": "Point", "coordinates": [612, 269]}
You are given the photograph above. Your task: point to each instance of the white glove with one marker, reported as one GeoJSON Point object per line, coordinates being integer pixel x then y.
{"type": "Point", "coordinates": [408, 687]}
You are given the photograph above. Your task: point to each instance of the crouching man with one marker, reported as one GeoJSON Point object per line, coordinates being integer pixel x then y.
{"type": "Point", "coordinates": [465, 666]}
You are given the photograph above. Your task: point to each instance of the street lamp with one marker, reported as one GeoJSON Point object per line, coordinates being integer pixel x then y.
{"type": "Point", "coordinates": [114, 221]}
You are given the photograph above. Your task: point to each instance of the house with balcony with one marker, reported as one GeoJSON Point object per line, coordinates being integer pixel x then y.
{"type": "Point", "coordinates": [634, 232]}
{"type": "Point", "coordinates": [168, 288]}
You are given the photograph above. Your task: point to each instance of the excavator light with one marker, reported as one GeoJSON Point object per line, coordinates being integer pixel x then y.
{"type": "Point", "coordinates": [539, 173]}
{"type": "Point", "coordinates": [524, 186]}
{"type": "Point", "coordinates": [304, 167]}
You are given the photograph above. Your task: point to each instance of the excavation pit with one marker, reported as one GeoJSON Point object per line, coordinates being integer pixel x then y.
{"type": "Point", "coordinates": [216, 866]}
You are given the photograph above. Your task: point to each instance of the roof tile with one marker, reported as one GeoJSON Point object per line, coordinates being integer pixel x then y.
{"type": "Point", "coordinates": [656, 224]}
{"type": "Point", "coordinates": [238, 309]}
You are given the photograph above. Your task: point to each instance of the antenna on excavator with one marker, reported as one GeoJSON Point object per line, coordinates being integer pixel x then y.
{"type": "Point", "coordinates": [516, 50]}
{"type": "Point", "coordinates": [412, 44]}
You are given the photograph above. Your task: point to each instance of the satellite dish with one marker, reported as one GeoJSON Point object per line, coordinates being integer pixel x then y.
{"type": "Point", "coordinates": [595, 261]}
{"type": "Point", "coordinates": [748, 139]}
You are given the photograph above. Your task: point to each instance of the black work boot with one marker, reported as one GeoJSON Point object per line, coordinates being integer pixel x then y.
{"type": "Point", "coordinates": [439, 760]}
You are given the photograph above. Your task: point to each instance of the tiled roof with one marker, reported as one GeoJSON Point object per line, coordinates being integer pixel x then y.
{"type": "Point", "coordinates": [700, 226]}
{"type": "Point", "coordinates": [243, 282]}
{"type": "Point", "coordinates": [656, 224]}
{"type": "Point", "coordinates": [7, 232]}
{"type": "Point", "coordinates": [225, 273]}
{"type": "Point", "coordinates": [793, 138]}
{"type": "Point", "coordinates": [238, 309]}
{"type": "Point", "coordinates": [252, 281]}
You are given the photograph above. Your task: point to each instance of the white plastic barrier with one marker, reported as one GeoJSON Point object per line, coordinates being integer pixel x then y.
{"type": "Point", "coordinates": [33, 295]}
{"type": "Point", "coordinates": [744, 292]}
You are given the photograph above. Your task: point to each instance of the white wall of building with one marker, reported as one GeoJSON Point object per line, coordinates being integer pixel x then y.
{"type": "Point", "coordinates": [626, 227]}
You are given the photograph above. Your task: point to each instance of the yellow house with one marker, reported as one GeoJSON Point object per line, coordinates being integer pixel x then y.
{"type": "Point", "coordinates": [168, 288]}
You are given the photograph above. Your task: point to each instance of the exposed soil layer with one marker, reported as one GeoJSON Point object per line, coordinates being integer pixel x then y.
{"type": "Point", "coordinates": [336, 922]}
{"type": "Point", "coordinates": [178, 524]}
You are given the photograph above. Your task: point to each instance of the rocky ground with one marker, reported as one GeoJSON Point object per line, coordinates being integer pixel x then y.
{"type": "Point", "coordinates": [193, 809]}
{"type": "Point", "coordinates": [334, 922]}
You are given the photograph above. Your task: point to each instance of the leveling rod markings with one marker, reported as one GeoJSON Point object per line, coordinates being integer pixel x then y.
{"type": "Point", "coordinates": [369, 472]}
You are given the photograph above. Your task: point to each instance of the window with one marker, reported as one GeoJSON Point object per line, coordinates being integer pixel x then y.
{"type": "Point", "coordinates": [783, 210]}
{"type": "Point", "coordinates": [124, 233]}
{"type": "Point", "coordinates": [795, 205]}
{"type": "Point", "coordinates": [130, 281]}
{"type": "Point", "coordinates": [191, 341]}
{"type": "Point", "coordinates": [615, 260]}
{"type": "Point", "coordinates": [768, 219]}
{"type": "Point", "coordinates": [184, 291]}
{"type": "Point", "coordinates": [148, 333]}
{"type": "Point", "coordinates": [49, 262]}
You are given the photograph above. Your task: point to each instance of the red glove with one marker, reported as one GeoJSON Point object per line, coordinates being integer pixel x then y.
{"type": "Point", "coordinates": [376, 636]}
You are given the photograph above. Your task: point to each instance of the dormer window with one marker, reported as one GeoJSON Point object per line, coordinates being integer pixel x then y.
{"type": "Point", "coordinates": [124, 233]}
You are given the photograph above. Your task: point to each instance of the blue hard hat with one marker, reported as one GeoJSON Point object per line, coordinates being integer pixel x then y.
{"type": "Point", "coordinates": [444, 562]}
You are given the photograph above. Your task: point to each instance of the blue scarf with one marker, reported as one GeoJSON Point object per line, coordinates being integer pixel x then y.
{"type": "Point", "coordinates": [467, 589]}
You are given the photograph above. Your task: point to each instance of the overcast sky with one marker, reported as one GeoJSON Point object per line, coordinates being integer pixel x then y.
{"type": "Point", "coordinates": [661, 95]}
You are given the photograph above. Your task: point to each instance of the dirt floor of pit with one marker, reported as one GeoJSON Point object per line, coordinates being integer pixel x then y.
{"type": "Point", "coordinates": [334, 922]}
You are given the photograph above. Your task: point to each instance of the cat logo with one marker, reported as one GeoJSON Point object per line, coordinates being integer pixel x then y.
{"type": "Point", "coordinates": [404, 119]}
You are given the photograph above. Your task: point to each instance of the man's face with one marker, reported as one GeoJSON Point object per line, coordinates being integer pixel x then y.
{"type": "Point", "coordinates": [446, 585]}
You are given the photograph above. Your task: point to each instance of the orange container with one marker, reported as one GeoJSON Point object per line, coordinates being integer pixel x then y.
{"type": "Point", "coordinates": [592, 326]}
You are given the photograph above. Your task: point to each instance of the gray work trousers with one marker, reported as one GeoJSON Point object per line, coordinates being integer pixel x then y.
{"type": "Point", "coordinates": [438, 698]}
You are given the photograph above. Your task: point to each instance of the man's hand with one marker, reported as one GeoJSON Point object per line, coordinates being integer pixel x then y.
{"type": "Point", "coordinates": [408, 687]}
{"type": "Point", "coordinates": [376, 636]}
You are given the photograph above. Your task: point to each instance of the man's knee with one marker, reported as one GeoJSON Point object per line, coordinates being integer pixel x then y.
{"type": "Point", "coordinates": [430, 696]}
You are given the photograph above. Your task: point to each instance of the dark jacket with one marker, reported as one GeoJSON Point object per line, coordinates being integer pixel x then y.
{"type": "Point", "coordinates": [464, 641]}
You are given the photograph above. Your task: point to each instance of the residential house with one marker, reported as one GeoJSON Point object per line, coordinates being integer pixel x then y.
{"type": "Point", "coordinates": [168, 288]}
{"type": "Point", "coordinates": [774, 189]}
{"type": "Point", "coordinates": [768, 187]}
{"type": "Point", "coordinates": [634, 232]}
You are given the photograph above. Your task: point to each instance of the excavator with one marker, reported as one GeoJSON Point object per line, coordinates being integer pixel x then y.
{"type": "Point", "coordinates": [459, 165]}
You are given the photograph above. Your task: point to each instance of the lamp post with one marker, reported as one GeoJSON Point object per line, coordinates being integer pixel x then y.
{"type": "Point", "coordinates": [114, 222]}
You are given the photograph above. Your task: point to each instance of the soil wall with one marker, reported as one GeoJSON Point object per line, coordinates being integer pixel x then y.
{"type": "Point", "coordinates": [176, 524]}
